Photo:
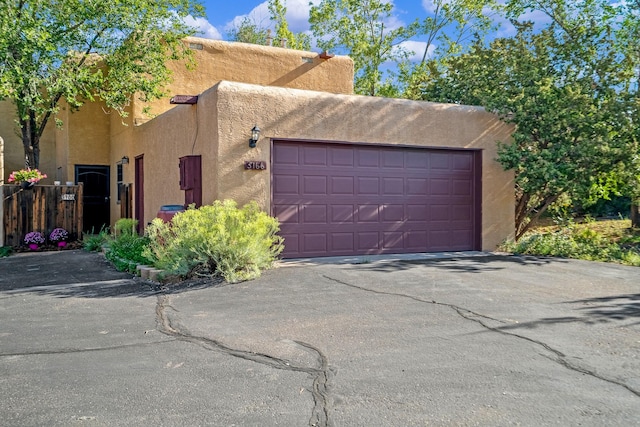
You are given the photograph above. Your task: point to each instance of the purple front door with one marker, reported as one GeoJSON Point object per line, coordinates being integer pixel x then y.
{"type": "Point", "coordinates": [343, 199]}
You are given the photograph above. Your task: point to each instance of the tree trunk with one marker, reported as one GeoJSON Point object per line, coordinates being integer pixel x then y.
{"type": "Point", "coordinates": [635, 214]}
{"type": "Point", "coordinates": [30, 142]}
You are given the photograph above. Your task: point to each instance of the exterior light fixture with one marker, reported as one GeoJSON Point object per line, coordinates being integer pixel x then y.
{"type": "Point", "coordinates": [124, 160]}
{"type": "Point", "coordinates": [255, 134]}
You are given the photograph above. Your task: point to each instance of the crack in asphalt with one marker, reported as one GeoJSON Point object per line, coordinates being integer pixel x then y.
{"type": "Point", "coordinates": [560, 358]}
{"type": "Point", "coordinates": [321, 374]}
{"type": "Point", "coordinates": [83, 350]}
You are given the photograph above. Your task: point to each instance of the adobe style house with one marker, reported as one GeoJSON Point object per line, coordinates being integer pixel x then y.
{"type": "Point", "coordinates": [345, 174]}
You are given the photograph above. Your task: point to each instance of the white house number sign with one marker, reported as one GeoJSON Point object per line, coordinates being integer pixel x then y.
{"type": "Point", "coordinates": [68, 196]}
{"type": "Point", "coordinates": [255, 165]}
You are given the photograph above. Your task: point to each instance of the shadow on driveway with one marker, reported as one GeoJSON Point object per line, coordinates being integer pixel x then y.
{"type": "Point", "coordinates": [82, 274]}
{"type": "Point", "coordinates": [479, 264]}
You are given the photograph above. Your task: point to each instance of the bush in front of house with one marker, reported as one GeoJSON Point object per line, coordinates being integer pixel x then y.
{"type": "Point", "coordinates": [125, 226]}
{"type": "Point", "coordinates": [94, 242]}
{"type": "Point", "coordinates": [578, 242]}
{"type": "Point", "coordinates": [125, 247]}
{"type": "Point", "coordinates": [219, 239]}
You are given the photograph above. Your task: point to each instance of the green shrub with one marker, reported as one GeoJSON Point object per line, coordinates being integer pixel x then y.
{"type": "Point", "coordinates": [236, 243]}
{"type": "Point", "coordinates": [125, 226]}
{"type": "Point", "coordinates": [579, 242]}
{"type": "Point", "coordinates": [95, 242]}
{"type": "Point", "coordinates": [5, 251]}
{"type": "Point", "coordinates": [125, 251]}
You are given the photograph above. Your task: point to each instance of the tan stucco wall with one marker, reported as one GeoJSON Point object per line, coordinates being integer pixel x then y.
{"type": "Point", "coordinates": [229, 110]}
{"type": "Point", "coordinates": [162, 143]}
{"type": "Point", "coordinates": [263, 65]}
{"type": "Point", "coordinates": [83, 139]}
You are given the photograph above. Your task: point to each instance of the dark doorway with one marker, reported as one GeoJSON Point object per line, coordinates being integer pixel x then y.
{"type": "Point", "coordinates": [95, 201]}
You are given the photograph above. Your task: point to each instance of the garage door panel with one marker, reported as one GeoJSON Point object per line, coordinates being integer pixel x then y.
{"type": "Point", "coordinates": [393, 240]}
{"type": "Point", "coordinates": [286, 155]}
{"type": "Point", "coordinates": [368, 185]}
{"type": "Point", "coordinates": [368, 158]}
{"type": "Point", "coordinates": [392, 159]}
{"type": "Point", "coordinates": [342, 214]}
{"type": "Point", "coordinates": [440, 187]}
{"type": "Point", "coordinates": [342, 185]}
{"type": "Point", "coordinates": [314, 242]}
{"type": "Point", "coordinates": [459, 238]}
{"type": "Point", "coordinates": [286, 184]}
{"type": "Point", "coordinates": [462, 162]}
{"type": "Point", "coordinates": [462, 187]}
{"type": "Point", "coordinates": [368, 214]}
{"type": "Point", "coordinates": [417, 186]}
{"type": "Point", "coordinates": [314, 156]}
{"type": "Point", "coordinates": [417, 213]}
{"type": "Point", "coordinates": [415, 240]}
{"type": "Point", "coordinates": [393, 213]}
{"type": "Point", "coordinates": [314, 185]}
{"type": "Point", "coordinates": [315, 214]}
{"type": "Point", "coordinates": [341, 156]}
{"type": "Point", "coordinates": [439, 213]}
{"type": "Point", "coordinates": [365, 199]}
{"type": "Point", "coordinates": [291, 242]}
{"type": "Point", "coordinates": [440, 240]}
{"type": "Point", "coordinates": [441, 160]}
{"type": "Point", "coordinates": [367, 241]}
{"type": "Point", "coordinates": [392, 186]}
{"type": "Point", "coordinates": [416, 160]}
{"type": "Point", "coordinates": [462, 214]}
{"type": "Point", "coordinates": [342, 242]}
{"type": "Point", "coordinates": [287, 213]}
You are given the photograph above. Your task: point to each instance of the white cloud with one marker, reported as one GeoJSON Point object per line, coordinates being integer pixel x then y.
{"type": "Point", "coordinates": [204, 28]}
{"type": "Point", "coordinates": [259, 16]}
{"type": "Point", "coordinates": [416, 49]}
{"type": "Point", "coordinates": [429, 5]}
{"type": "Point", "coordinates": [297, 16]}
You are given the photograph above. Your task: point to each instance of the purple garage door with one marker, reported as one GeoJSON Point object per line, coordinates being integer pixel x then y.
{"type": "Point", "coordinates": [342, 199]}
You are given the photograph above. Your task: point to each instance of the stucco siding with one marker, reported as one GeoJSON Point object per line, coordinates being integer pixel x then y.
{"type": "Point", "coordinates": [216, 60]}
{"type": "Point", "coordinates": [162, 142]}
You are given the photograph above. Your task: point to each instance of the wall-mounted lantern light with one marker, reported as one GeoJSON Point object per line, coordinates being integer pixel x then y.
{"type": "Point", "coordinates": [124, 160]}
{"type": "Point", "coordinates": [255, 134]}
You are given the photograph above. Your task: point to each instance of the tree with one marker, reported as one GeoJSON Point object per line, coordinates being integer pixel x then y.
{"type": "Point", "coordinates": [566, 89]}
{"type": "Point", "coordinates": [248, 32]}
{"type": "Point", "coordinates": [364, 30]}
{"type": "Point", "coordinates": [81, 51]}
{"type": "Point", "coordinates": [449, 30]}
{"type": "Point", "coordinates": [300, 41]}
{"type": "Point", "coordinates": [453, 22]}
{"type": "Point", "coordinates": [629, 42]}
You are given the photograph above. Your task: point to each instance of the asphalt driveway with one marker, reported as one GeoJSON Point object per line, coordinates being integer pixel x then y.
{"type": "Point", "coordinates": [483, 340]}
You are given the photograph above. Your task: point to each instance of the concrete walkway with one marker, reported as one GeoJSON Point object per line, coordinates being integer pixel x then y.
{"type": "Point", "coordinates": [460, 340]}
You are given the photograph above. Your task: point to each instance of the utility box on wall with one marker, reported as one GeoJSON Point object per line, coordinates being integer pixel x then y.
{"type": "Point", "coordinates": [191, 179]}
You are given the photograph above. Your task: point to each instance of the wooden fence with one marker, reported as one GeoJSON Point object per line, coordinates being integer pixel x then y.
{"type": "Point", "coordinates": [41, 208]}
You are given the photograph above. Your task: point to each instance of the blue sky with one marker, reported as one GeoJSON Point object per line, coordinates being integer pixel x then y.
{"type": "Point", "coordinates": [222, 15]}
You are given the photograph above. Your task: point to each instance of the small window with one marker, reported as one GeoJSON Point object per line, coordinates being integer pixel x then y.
{"type": "Point", "coordinates": [119, 180]}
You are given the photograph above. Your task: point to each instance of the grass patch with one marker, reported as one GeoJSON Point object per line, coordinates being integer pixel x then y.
{"type": "Point", "coordinates": [608, 241]}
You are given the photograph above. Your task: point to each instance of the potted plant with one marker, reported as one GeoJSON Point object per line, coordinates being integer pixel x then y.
{"type": "Point", "coordinates": [26, 177]}
{"type": "Point", "coordinates": [34, 239]}
{"type": "Point", "coordinates": [59, 237]}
